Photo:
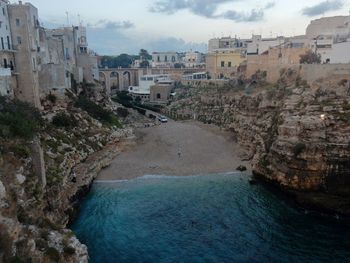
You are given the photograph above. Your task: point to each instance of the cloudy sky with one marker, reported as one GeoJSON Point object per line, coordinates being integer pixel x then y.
{"type": "Point", "coordinates": [125, 26]}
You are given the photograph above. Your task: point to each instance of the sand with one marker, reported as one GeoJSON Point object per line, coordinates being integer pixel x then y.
{"type": "Point", "coordinates": [176, 148]}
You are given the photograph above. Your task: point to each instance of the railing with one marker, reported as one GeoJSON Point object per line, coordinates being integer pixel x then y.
{"type": "Point", "coordinates": [9, 47]}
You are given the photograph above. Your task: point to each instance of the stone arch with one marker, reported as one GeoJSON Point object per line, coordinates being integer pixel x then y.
{"type": "Point", "coordinates": [114, 82]}
{"type": "Point", "coordinates": [103, 79]}
{"type": "Point", "coordinates": [126, 79]}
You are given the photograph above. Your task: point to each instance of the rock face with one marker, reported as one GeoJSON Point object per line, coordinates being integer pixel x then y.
{"type": "Point", "coordinates": [34, 219]}
{"type": "Point", "coordinates": [297, 136]}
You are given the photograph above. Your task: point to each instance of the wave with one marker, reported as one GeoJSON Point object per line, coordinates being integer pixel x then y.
{"type": "Point", "coordinates": [163, 176]}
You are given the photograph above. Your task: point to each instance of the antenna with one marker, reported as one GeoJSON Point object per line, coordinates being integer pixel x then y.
{"type": "Point", "coordinates": [67, 18]}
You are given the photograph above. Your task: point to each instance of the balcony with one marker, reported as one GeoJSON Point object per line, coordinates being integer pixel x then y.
{"type": "Point", "coordinates": [9, 48]}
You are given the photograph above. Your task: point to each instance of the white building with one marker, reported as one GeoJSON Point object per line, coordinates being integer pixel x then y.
{"type": "Point", "coordinates": [330, 37]}
{"type": "Point", "coordinates": [258, 45]}
{"type": "Point", "coordinates": [334, 26]}
{"type": "Point", "coordinates": [7, 50]}
{"type": "Point", "coordinates": [198, 76]}
{"type": "Point", "coordinates": [226, 43]}
{"type": "Point", "coordinates": [194, 59]}
{"type": "Point", "coordinates": [145, 83]}
{"type": "Point", "coordinates": [340, 53]}
{"type": "Point", "coordinates": [165, 59]}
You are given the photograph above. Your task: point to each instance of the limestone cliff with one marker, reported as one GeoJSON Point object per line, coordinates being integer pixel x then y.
{"type": "Point", "coordinates": [296, 135]}
{"type": "Point", "coordinates": [76, 144]}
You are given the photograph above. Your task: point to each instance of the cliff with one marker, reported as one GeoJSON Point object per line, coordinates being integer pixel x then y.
{"type": "Point", "coordinates": [296, 135]}
{"type": "Point", "coordinates": [66, 146]}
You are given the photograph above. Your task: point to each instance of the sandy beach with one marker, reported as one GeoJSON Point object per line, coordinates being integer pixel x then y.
{"type": "Point", "coordinates": [176, 148]}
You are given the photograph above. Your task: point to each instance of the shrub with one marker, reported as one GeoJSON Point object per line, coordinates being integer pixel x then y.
{"type": "Point", "coordinates": [264, 162]}
{"type": "Point", "coordinates": [52, 98]}
{"type": "Point", "coordinates": [96, 111]}
{"type": "Point", "coordinates": [310, 57]}
{"type": "Point", "coordinates": [21, 151]}
{"type": "Point", "coordinates": [298, 148]}
{"type": "Point", "coordinates": [18, 119]}
{"type": "Point", "coordinates": [69, 250]}
{"type": "Point", "coordinates": [53, 254]}
{"type": "Point", "coordinates": [63, 120]}
{"type": "Point", "coordinates": [122, 112]}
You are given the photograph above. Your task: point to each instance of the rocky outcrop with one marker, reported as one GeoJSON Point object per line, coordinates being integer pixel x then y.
{"type": "Point", "coordinates": [296, 135]}
{"type": "Point", "coordinates": [34, 219]}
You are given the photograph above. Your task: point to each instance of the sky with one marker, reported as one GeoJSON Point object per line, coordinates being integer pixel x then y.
{"type": "Point", "coordinates": [126, 26]}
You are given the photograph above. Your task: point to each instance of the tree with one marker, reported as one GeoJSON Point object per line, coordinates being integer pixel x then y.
{"type": "Point", "coordinates": [123, 61]}
{"type": "Point", "coordinates": [144, 64]}
{"type": "Point", "coordinates": [310, 57]}
{"type": "Point", "coordinates": [144, 55]}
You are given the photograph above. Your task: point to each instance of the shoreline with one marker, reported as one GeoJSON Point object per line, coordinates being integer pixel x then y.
{"type": "Point", "coordinates": [176, 149]}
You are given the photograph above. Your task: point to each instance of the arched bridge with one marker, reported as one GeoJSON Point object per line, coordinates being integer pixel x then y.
{"type": "Point", "coordinates": [118, 79]}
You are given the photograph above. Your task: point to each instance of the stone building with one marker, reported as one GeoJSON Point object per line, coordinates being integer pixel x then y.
{"type": "Point", "coordinates": [160, 93]}
{"type": "Point", "coordinates": [7, 50]}
{"type": "Point", "coordinates": [224, 64]}
{"type": "Point", "coordinates": [330, 37]}
{"type": "Point", "coordinates": [24, 26]}
{"type": "Point", "coordinates": [334, 26]}
{"type": "Point", "coordinates": [65, 55]}
{"type": "Point", "coordinates": [165, 59]}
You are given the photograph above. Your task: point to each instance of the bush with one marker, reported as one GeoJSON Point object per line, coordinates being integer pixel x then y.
{"type": "Point", "coordinates": [21, 151]}
{"type": "Point", "coordinates": [18, 119]}
{"type": "Point", "coordinates": [310, 57]}
{"type": "Point", "coordinates": [69, 250]}
{"type": "Point", "coordinates": [53, 254]}
{"type": "Point", "coordinates": [298, 148]}
{"type": "Point", "coordinates": [63, 120]}
{"type": "Point", "coordinates": [96, 111]}
{"type": "Point", "coordinates": [52, 98]}
{"type": "Point", "coordinates": [122, 112]}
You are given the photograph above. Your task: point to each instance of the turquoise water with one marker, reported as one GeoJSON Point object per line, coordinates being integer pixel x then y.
{"type": "Point", "coordinates": [217, 218]}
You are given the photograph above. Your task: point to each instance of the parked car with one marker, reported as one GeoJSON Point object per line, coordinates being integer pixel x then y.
{"type": "Point", "coordinates": [162, 119]}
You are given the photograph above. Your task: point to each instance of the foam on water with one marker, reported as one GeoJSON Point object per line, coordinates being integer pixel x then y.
{"type": "Point", "coordinates": [216, 218]}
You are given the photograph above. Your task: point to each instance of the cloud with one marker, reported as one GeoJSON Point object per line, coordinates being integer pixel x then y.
{"type": "Point", "coordinates": [323, 7]}
{"type": "Point", "coordinates": [208, 9]}
{"type": "Point", "coordinates": [112, 25]}
{"type": "Point", "coordinates": [118, 42]}
{"type": "Point", "coordinates": [205, 8]}
{"type": "Point", "coordinates": [253, 16]}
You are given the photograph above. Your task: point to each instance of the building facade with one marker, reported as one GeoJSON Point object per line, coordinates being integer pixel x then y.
{"type": "Point", "coordinates": [194, 60]}
{"type": "Point", "coordinates": [24, 26]}
{"type": "Point", "coordinates": [165, 59]}
{"type": "Point", "coordinates": [224, 64]}
{"type": "Point", "coordinates": [7, 50]}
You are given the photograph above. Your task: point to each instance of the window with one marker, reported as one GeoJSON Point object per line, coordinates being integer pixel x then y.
{"type": "Point", "coordinates": [222, 64]}
{"type": "Point", "coordinates": [2, 43]}
{"type": "Point", "coordinates": [173, 58]}
{"type": "Point", "coordinates": [3, 11]}
{"type": "Point", "coordinates": [166, 58]}
{"type": "Point", "coordinates": [229, 64]}
{"type": "Point", "coordinates": [18, 22]}
{"type": "Point", "coordinates": [8, 43]}
{"type": "Point", "coordinates": [158, 59]}
{"type": "Point", "coordinates": [19, 40]}
{"type": "Point", "coordinates": [158, 96]}
{"type": "Point", "coordinates": [34, 64]}
{"type": "Point", "coordinates": [5, 63]}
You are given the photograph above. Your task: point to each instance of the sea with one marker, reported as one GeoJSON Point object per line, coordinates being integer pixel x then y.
{"type": "Point", "coordinates": [203, 218]}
